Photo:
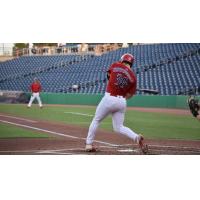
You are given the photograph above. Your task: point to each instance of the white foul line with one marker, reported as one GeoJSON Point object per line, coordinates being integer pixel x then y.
{"type": "Point", "coordinates": [70, 149]}
{"type": "Point", "coordinates": [75, 113]}
{"type": "Point", "coordinates": [56, 133]}
{"type": "Point", "coordinates": [18, 118]}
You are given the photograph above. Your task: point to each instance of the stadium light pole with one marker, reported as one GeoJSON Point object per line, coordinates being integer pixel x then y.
{"type": "Point", "coordinates": [30, 47]}
{"type": "Point", "coordinates": [3, 49]}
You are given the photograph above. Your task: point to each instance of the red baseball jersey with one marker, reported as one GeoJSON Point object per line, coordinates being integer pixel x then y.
{"type": "Point", "coordinates": [35, 87]}
{"type": "Point", "coordinates": [122, 80]}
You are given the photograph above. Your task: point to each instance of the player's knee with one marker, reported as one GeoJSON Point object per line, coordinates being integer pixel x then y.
{"type": "Point", "coordinates": [117, 128]}
{"type": "Point", "coordinates": [96, 120]}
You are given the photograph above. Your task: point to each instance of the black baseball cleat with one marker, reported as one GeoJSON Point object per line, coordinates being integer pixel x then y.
{"type": "Point", "coordinates": [143, 147]}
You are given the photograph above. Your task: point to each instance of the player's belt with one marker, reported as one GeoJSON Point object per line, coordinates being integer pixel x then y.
{"type": "Point", "coordinates": [115, 95]}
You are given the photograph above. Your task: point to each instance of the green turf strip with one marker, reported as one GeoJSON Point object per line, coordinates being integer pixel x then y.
{"type": "Point", "coordinates": [151, 125]}
{"type": "Point", "coordinates": [9, 131]}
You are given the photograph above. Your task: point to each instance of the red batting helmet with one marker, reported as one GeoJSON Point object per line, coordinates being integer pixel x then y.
{"type": "Point", "coordinates": [127, 58]}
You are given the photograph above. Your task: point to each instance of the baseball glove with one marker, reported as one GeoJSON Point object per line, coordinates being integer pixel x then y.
{"type": "Point", "coordinates": [194, 106]}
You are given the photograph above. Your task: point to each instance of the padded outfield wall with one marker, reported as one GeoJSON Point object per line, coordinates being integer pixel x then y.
{"type": "Point", "coordinates": [137, 101]}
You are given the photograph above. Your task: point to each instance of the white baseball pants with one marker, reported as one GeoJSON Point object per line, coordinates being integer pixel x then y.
{"type": "Point", "coordinates": [33, 96]}
{"type": "Point", "coordinates": [115, 106]}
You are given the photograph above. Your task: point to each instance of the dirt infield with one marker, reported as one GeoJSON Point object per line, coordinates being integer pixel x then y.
{"type": "Point", "coordinates": [162, 110]}
{"type": "Point", "coordinates": [70, 140]}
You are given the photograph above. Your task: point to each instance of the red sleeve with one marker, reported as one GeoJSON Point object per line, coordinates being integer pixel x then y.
{"type": "Point", "coordinates": [132, 90]}
{"type": "Point", "coordinates": [109, 70]}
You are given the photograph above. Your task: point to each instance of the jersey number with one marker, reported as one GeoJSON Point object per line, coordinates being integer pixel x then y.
{"type": "Point", "coordinates": [121, 81]}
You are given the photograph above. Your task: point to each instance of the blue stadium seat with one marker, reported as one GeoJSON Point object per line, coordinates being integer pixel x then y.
{"type": "Point", "coordinates": [170, 68]}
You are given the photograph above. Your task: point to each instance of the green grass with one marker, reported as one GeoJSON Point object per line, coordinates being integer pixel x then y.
{"type": "Point", "coordinates": [151, 125]}
{"type": "Point", "coordinates": [168, 126]}
{"type": "Point", "coordinates": [8, 131]}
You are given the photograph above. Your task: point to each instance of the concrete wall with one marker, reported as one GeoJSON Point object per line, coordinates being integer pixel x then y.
{"type": "Point", "coordinates": [138, 101]}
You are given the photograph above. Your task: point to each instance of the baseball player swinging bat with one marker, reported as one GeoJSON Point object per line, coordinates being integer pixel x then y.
{"type": "Point", "coordinates": [120, 87]}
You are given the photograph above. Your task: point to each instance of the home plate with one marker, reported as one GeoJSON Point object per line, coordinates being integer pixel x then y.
{"type": "Point", "coordinates": [127, 150]}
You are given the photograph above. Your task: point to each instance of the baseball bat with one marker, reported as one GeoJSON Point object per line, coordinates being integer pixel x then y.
{"type": "Point", "coordinates": [149, 91]}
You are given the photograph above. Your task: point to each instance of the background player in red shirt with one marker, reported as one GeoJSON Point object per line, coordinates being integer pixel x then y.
{"type": "Point", "coordinates": [35, 89]}
{"type": "Point", "coordinates": [121, 86]}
